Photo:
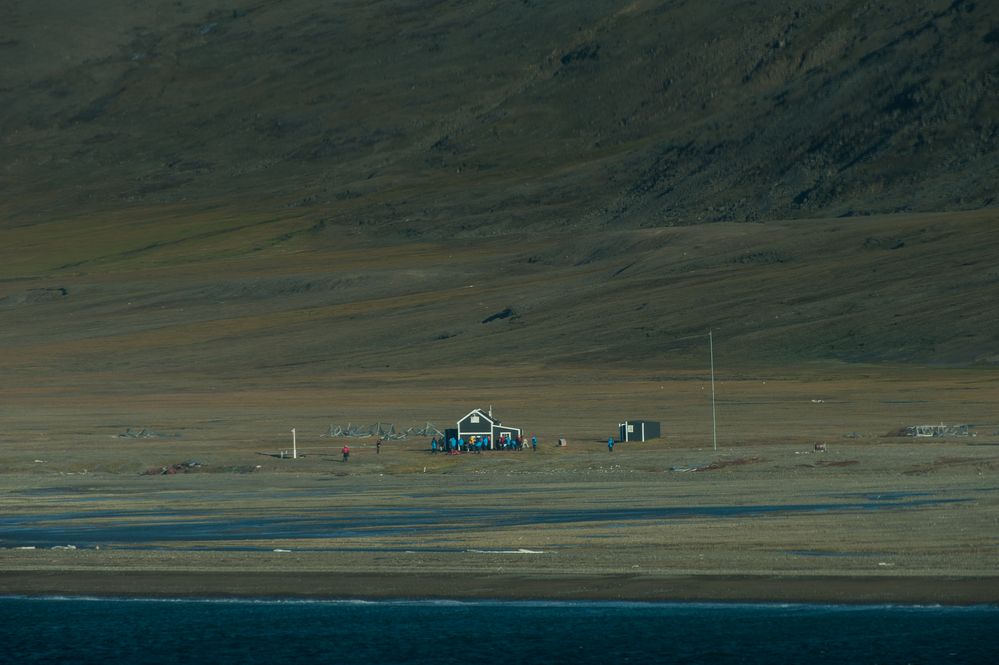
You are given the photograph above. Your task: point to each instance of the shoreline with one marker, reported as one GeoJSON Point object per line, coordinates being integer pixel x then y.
{"type": "Point", "coordinates": [804, 589]}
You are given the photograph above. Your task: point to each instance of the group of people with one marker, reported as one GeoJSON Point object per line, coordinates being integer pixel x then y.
{"type": "Point", "coordinates": [476, 444]}
{"type": "Point", "coordinates": [473, 444]}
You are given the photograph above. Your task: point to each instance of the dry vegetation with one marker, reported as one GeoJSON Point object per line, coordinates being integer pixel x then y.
{"type": "Point", "coordinates": [765, 508]}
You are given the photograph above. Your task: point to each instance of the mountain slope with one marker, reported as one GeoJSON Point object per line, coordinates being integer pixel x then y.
{"type": "Point", "coordinates": [290, 304]}
{"type": "Point", "coordinates": [480, 117]}
{"type": "Point", "coordinates": [251, 191]}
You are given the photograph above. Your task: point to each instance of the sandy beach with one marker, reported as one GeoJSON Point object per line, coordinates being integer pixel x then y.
{"type": "Point", "coordinates": [472, 586]}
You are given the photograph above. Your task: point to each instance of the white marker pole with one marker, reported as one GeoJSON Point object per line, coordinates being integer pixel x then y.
{"type": "Point", "coordinates": [714, 420]}
{"type": "Point", "coordinates": [294, 445]}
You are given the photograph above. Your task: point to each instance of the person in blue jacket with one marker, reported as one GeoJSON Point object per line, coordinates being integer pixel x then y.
{"type": "Point", "coordinates": [610, 445]}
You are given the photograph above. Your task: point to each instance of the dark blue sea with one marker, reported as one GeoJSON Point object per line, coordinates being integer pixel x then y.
{"type": "Point", "coordinates": [55, 630]}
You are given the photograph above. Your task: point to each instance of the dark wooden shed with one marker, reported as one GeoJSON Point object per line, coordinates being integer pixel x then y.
{"type": "Point", "coordinates": [638, 430]}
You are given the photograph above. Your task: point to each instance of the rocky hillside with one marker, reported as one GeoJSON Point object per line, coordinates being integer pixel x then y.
{"type": "Point", "coordinates": [257, 190]}
{"type": "Point", "coordinates": [474, 117]}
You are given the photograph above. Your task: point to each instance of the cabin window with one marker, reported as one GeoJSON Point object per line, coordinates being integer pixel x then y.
{"type": "Point", "coordinates": [475, 419]}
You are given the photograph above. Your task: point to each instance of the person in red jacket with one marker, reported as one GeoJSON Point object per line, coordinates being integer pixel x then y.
{"type": "Point", "coordinates": [346, 453]}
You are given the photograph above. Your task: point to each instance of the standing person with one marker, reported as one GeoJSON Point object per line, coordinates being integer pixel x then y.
{"type": "Point", "coordinates": [610, 445]}
{"type": "Point", "coordinates": [378, 447]}
{"type": "Point", "coordinates": [433, 446]}
{"type": "Point", "coordinates": [346, 453]}
{"type": "Point", "coordinates": [534, 442]}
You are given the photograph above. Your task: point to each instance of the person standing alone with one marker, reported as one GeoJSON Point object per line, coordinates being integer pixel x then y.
{"type": "Point", "coordinates": [610, 444]}
{"type": "Point", "coordinates": [346, 453]}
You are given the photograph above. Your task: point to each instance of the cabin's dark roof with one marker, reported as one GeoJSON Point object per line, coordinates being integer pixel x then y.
{"type": "Point", "coordinates": [492, 419]}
